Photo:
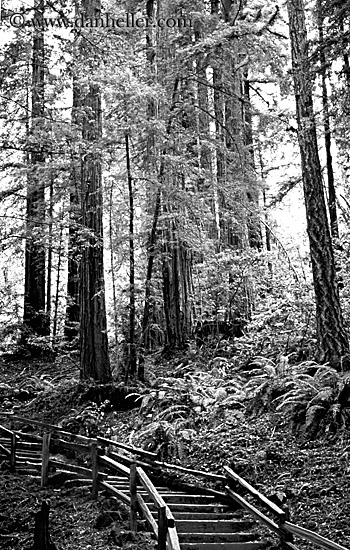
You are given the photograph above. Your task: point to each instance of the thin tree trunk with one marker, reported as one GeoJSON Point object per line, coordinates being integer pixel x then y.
{"type": "Point", "coordinates": [114, 290]}
{"type": "Point", "coordinates": [345, 57]}
{"type": "Point", "coordinates": [253, 223]}
{"type": "Point", "coordinates": [131, 370]}
{"type": "Point", "coordinates": [332, 206]}
{"type": "Point", "coordinates": [34, 288]}
{"type": "Point", "coordinates": [71, 329]}
{"type": "Point", "coordinates": [58, 280]}
{"type": "Point", "coordinates": [331, 337]}
{"type": "Point", "coordinates": [267, 228]}
{"type": "Point", "coordinates": [49, 252]}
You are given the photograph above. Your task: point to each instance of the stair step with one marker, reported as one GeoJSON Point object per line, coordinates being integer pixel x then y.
{"type": "Point", "coordinates": [28, 446]}
{"type": "Point", "coordinates": [27, 471]}
{"type": "Point", "coordinates": [199, 508]}
{"type": "Point", "coordinates": [216, 537]}
{"type": "Point", "coordinates": [213, 526]}
{"type": "Point", "coordinates": [221, 546]}
{"type": "Point", "coordinates": [126, 487]}
{"type": "Point", "coordinates": [182, 498]}
{"type": "Point", "coordinates": [21, 458]}
{"type": "Point", "coordinates": [21, 444]}
{"type": "Point", "coordinates": [180, 516]}
{"type": "Point", "coordinates": [19, 452]}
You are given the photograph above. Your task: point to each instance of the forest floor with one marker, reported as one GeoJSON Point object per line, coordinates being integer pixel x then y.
{"type": "Point", "coordinates": [187, 414]}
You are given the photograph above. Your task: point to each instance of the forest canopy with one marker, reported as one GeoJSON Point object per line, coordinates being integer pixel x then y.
{"type": "Point", "coordinates": [157, 159]}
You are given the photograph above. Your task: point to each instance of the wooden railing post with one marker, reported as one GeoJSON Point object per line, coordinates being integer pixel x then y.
{"type": "Point", "coordinates": [13, 452]}
{"type": "Point", "coordinates": [162, 528]}
{"type": "Point", "coordinates": [45, 457]}
{"type": "Point", "coordinates": [94, 469]}
{"type": "Point", "coordinates": [133, 497]}
{"type": "Point", "coordinates": [12, 424]}
{"type": "Point", "coordinates": [285, 537]}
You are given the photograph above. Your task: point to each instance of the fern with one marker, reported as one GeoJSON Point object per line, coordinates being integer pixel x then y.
{"type": "Point", "coordinates": [172, 412]}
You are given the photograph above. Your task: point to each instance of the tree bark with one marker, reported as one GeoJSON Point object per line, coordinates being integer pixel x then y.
{"type": "Point", "coordinates": [331, 337]}
{"type": "Point", "coordinates": [71, 328]}
{"type": "Point", "coordinates": [332, 204]}
{"type": "Point", "coordinates": [34, 287]}
{"type": "Point", "coordinates": [176, 282]}
{"type": "Point", "coordinates": [131, 370]}
{"type": "Point", "coordinates": [151, 247]}
{"type": "Point", "coordinates": [94, 356]}
{"type": "Point", "coordinates": [253, 222]}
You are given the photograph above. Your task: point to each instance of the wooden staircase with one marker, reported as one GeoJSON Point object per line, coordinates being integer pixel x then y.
{"type": "Point", "coordinates": [28, 454]}
{"type": "Point", "coordinates": [202, 523]}
{"type": "Point", "coordinates": [190, 519]}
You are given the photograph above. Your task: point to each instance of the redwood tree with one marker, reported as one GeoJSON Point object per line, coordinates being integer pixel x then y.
{"type": "Point", "coordinates": [332, 341]}
{"type": "Point", "coordinates": [34, 289]}
{"type": "Point", "coordinates": [94, 357]}
{"type": "Point", "coordinates": [73, 310]}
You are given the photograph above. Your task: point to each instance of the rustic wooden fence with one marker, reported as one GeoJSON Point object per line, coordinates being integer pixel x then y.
{"type": "Point", "coordinates": [132, 466]}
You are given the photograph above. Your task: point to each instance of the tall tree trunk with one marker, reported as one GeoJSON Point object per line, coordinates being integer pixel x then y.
{"type": "Point", "coordinates": [332, 205]}
{"type": "Point", "coordinates": [331, 337]}
{"type": "Point", "coordinates": [151, 247]}
{"type": "Point", "coordinates": [49, 251]}
{"type": "Point", "coordinates": [177, 258]}
{"type": "Point", "coordinates": [113, 274]}
{"type": "Point", "coordinates": [177, 287]}
{"type": "Point", "coordinates": [131, 370]}
{"type": "Point", "coordinates": [253, 222]}
{"type": "Point", "coordinates": [71, 328]}
{"type": "Point", "coordinates": [150, 162]}
{"type": "Point", "coordinates": [58, 280]}
{"type": "Point", "coordinates": [34, 287]}
{"type": "Point", "coordinates": [94, 356]}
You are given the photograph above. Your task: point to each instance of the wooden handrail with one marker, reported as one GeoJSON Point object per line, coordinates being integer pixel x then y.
{"type": "Point", "coordinates": [81, 470]}
{"type": "Point", "coordinates": [166, 530]}
{"type": "Point", "coordinates": [5, 451]}
{"type": "Point", "coordinates": [255, 512]}
{"type": "Point", "coordinates": [132, 450]}
{"type": "Point", "coordinates": [115, 492]}
{"type": "Point", "coordinates": [173, 539]}
{"type": "Point", "coordinates": [147, 515]}
{"type": "Point", "coordinates": [283, 528]}
{"type": "Point", "coordinates": [5, 431]}
{"type": "Point", "coordinates": [106, 461]}
{"type": "Point", "coordinates": [310, 536]}
{"type": "Point", "coordinates": [129, 461]}
{"type": "Point", "coordinates": [70, 446]}
{"type": "Point", "coordinates": [47, 426]}
{"type": "Point", "coordinates": [86, 440]}
{"type": "Point", "coordinates": [209, 475]}
{"type": "Point", "coordinates": [273, 508]}
{"type": "Point", "coordinates": [150, 488]}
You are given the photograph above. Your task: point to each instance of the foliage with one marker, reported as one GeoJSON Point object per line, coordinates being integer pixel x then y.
{"type": "Point", "coordinates": [283, 321]}
{"type": "Point", "coordinates": [88, 420]}
{"type": "Point", "coordinates": [307, 393]}
{"type": "Point", "coordinates": [176, 407]}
